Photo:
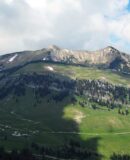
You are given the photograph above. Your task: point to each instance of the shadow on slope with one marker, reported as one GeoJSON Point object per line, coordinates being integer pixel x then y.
{"type": "Point", "coordinates": [45, 104]}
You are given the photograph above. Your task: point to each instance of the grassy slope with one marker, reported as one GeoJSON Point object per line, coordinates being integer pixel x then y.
{"type": "Point", "coordinates": [63, 116]}
{"type": "Point", "coordinates": [105, 124]}
{"type": "Point", "coordinates": [80, 72]}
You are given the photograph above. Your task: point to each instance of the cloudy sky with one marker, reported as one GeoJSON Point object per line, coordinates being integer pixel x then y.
{"type": "Point", "coordinates": [73, 24]}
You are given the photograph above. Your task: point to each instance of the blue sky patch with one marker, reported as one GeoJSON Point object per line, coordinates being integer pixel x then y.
{"type": "Point", "coordinates": [128, 7]}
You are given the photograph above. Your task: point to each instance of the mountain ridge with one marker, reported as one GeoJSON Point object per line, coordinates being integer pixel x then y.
{"type": "Point", "coordinates": [108, 57]}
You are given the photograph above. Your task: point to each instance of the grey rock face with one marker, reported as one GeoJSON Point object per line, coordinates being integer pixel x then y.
{"type": "Point", "coordinates": [108, 57]}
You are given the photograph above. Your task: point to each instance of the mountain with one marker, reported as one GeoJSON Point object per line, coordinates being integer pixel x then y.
{"type": "Point", "coordinates": [64, 104]}
{"type": "Point", "coordinates": [108, 57]}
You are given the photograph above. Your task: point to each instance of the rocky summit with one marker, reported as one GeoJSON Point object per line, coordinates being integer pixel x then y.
{"type": "Point", "coordinates": [108, 57]}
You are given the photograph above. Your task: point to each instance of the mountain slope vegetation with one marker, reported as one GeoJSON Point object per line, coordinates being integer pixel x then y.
{"type": "Point", "coordinates": [50, 102]}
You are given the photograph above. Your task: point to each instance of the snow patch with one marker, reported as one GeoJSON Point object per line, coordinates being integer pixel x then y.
{"type": "Point", "coordinates": [12, 58]}
{"type": "Point", "coordinates": [50, 68]}
{"type": "Point", "coordinates": [44, 59]}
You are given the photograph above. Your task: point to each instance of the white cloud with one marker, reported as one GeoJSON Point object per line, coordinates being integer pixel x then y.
{"type": "Point", "coordinates": [76, 24]}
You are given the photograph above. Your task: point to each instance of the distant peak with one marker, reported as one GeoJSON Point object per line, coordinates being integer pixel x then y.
{"type": "Point", "coordinates": [54, 47]}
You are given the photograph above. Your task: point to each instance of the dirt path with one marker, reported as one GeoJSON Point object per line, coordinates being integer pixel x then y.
{"type": "Point", "coordinates": [90, 134]}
